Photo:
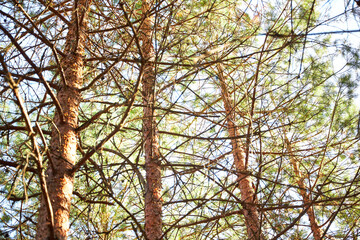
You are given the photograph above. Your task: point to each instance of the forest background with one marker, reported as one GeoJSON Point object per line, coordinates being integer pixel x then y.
{"type": "Point", "coordinates": [159, 119]}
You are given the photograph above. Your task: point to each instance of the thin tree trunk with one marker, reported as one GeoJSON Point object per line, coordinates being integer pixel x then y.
{"type": "Point", "coordinates": [153, 201]}
{"type": "Point", "coordinates": [245, 184]}
{"type": "Point", "coordinates": [316, 230]}
{"type": "Point", "coordinates": [63, 137]}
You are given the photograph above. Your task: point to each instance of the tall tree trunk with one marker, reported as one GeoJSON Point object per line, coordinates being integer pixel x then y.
{"type": "Point", "coordinates": [245, 184]}
{"type": "Point", "coordinates": [316, 230]}
{"type": "Point", "coordinates": [63, 137]}
{"type": "Point", "coordinates": [153, 201]}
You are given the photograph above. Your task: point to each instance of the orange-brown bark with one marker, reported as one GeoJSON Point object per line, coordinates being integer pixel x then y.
{"type": "Point", "coordinates": [153, 201]}
{"type": "Point", "coordinates": [316, 230]}
{"type": "Point", "coordinates": [251, 213]}
{"type": "Point", "coordinates": [63, 137]}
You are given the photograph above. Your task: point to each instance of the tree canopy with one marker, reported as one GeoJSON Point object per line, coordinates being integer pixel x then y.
{"type": "Point", "coordinates": [154, 119]}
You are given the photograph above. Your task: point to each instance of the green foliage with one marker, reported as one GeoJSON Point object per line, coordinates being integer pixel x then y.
{"type": "Point", "coordinates": [282, 84]}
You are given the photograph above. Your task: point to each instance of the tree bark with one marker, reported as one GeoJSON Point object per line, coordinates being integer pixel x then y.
{"type": "Point", "coordinates": [245, 183]}
{"type": "Point", "coordinates": [153, 201]}
{"type": "Point", "coordinates": [315, 229]}
{"type": "Point", "coordinates": [63, 137]}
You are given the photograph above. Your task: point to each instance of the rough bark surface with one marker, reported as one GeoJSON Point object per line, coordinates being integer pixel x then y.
{"type": "Point", "coordinates": [63, 137]}
{"type": "Point", "coordinates": [153, 201]}
{"type": "Point", "coordinates": [316, 230]}
{"type": "Point", "coordinates": [245, 184]}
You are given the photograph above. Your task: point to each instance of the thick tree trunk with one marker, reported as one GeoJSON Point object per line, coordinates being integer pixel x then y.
{"type": "Point", "coordinates": [153, 201]}
{"type": "Point", "coordinates": [247, 190]}
{"type": "Point", "coordinates": [316, 230]}
{"type": "Point", "coordinates": [63, 137]}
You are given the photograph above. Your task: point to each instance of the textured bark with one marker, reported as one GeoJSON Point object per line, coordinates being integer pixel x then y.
{"type": "Point", "coordinates": [245, 183]}
{"type": "Point", "coordinates": [316, 230]}
{"type": "Point", "coordinates": [153, 201]}
{"type": "Point", "coordinates": [63, 137]}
